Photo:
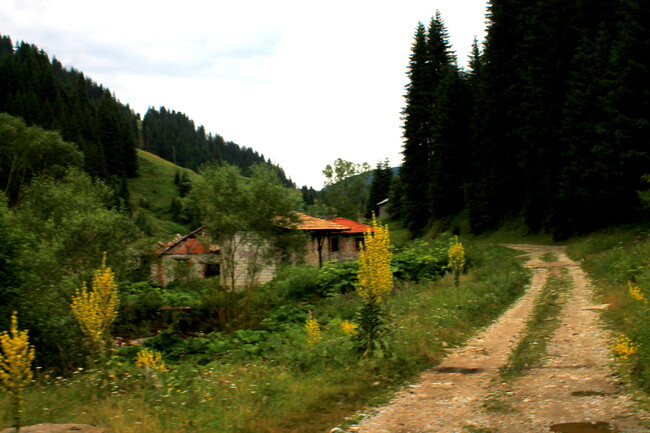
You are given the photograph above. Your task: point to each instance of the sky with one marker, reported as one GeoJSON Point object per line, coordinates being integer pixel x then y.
{"type": "Point", "coordinates": [301, 82]}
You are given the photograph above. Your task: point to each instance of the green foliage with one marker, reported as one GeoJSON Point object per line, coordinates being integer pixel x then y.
{"type": "Point", "coordinates": [559, 146]}
{"type": "Point", "coordinates": [11, 242]}
{"type": "Point", "coordinates": [338, 278]}
{"type": "Point", "coordinates": [43, 93]}
{"type": "Point", "coordinates": [382, 177]}
{"type": "Point", "coordinates": [421, 260]}
{"type": "Point", "coordinates": [26, 152]}
{"type": "Point", "coordinates": [59, 231]}
{"type": "Point", "coordinates": [246, 216]}
{"type": "Point", "coordinates": [156, 197]}
{"type": "Point", "coordinates": [370, 342]}
{"type": "Point", "coordinates": [71, 222]}
{"type": "Point", "coordinates": [616, 260]}
{"type": "Point", "coordinates": [346, 188]}
{"type": "Point", "coordinates": [298, 282]}
{"type": "Point", "coordinates": [430, 62]}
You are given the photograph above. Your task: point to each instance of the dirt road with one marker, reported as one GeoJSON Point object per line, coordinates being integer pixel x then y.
{"type": "Point", "coordinates": [573, 390]}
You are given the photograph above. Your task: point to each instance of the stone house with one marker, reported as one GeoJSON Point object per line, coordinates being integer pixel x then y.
{"type": "Point", "coordinates": [195, 256]}
{"type": "Point", "coordinates": [189, 256]}
{"type": "Point", "coordinates": [346, 246]}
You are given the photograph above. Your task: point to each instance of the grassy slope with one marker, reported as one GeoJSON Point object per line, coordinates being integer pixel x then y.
{"type": "Point", "coordinates": [154, 189]}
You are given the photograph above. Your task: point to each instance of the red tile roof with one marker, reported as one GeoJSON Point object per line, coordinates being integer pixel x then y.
{"type": "Point", "coordinates": [353, 226]}
{"type": "Point", "coordinates": [187, 245]}
{"type": "Point", "coordinates": [309, 222]}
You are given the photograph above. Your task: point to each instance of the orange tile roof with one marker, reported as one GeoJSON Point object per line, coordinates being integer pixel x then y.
{"type": "Point", "coordinates": [354, 227]}
{"type": "Point", "coordinates": [308, 222]}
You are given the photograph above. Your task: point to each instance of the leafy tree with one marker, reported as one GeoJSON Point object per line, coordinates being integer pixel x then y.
{"type": "Point", "coordinates": [29, 151]}
{"type": "Point", "coordinates": [59, 229]}
{"type": "Point", "coordinates": [11, 243]}
{"type": "Point", "coordinates": [247, 218]}
{"type": "Point", "coordinates": [346, 188]}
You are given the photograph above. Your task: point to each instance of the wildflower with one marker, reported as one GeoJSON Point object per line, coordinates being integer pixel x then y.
{"type": "Point", "coordinates": [457, 257]}
{"type": "Point", "coordinates": [349, 328]}
{"type": "Point", "coordinates": [16, 357]}
{"type": "Point", "coordinates": [152, 359]}
{"type": "Point", "coordinates": [375, 282]}
{"type": "Point", "coordinates": [457, 264]}
{"type": "Point", "coordinates": [97, 309]}
{"type": "Point", "coordinates": [636, 293]}
{"type": "Point", "coordinates": [375, 275]}
{"type": "Point", "coordinates": [312, 328]}
{"type": "Point", "coordinates": [625, 347]}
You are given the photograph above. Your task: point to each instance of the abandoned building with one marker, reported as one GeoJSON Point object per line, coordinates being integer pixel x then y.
{"type": "Point", "coordinates": [195, 256]}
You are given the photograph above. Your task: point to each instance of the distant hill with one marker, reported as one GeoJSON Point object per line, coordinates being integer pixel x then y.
{"type": "Point", "coordinates": [44, 93]}
{"type": "Point", "coordinates": [173, 136]}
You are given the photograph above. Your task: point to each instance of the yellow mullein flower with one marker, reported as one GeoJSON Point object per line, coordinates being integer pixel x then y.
{"type": "Point", "coordinates": [457, 264]}
{"type": "Point", "coordinates": [457, 257]}
{"type": "Point", "coordinates": [97, 309]}
{"type": "Point", "coordinates": [636, 293]}
{"type": "Point", "coordinates": [149, 358]}
{"type": "Point", "coordinates": [16, 357]}
{"type": "Point", "coordinates": [625, 347]}
{"type": "Point", "coordinates": [312, 328]}
{"type": "Point", "coordinates": [349, 328]}
{"type": "Point", "coordinates": [375, 275]}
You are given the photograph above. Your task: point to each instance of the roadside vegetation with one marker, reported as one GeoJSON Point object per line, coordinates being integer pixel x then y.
{"type": "Point", "coordinates": [618, 261]}
{"type": "Point", "coordinates": [272, 375]}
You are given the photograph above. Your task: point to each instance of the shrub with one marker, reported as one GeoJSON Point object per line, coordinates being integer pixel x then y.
{"type": "Point", "coordinates": [338, 278]}
{"type": "Point", "coordinates": [297, 282]}
{"type": "Point", "coordinates": [421, 261]}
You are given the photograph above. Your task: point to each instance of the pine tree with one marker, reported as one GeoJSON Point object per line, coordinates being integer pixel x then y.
{"type": "Point", "coordinates": [495, 191]}
{"type": "Point", "coordinates": [429, 61]}
{"type": "Point", "coordinates": [382, 178]}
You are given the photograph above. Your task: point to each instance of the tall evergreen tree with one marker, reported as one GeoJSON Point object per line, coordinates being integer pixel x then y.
{"type": "Point", "coordinates": [430, 59]}
{"type": "Point", "coordinates": [382, 178]}
{"type": "Point", "coordinates": [496, 189]}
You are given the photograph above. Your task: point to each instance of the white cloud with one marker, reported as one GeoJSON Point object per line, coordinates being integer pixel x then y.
{"type": "Point", "coordinates": [301, 82]}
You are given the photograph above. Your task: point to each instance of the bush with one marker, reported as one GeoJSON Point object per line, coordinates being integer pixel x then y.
{"type": "Point", "coordinates": [297, 282]}
{"type": "Point", "coordinates": [421, 261]}
{"type": "Point", "coordinates": [338, 278]}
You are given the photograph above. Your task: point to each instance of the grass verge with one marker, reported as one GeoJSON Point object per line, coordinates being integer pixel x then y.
{"type": "Point", "coordinates": [618, 263]}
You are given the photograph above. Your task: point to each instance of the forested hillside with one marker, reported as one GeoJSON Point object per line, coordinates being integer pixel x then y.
{"type": "Point", "coordinates": [549, 125]}
{"type": "Point", "coordinates": [46, 94]}
{"type": "Point", "coordinates": [174, 137]}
